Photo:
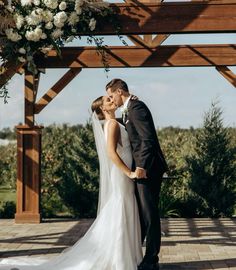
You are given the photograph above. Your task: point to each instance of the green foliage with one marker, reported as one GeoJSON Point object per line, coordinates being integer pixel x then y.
{"type": "Point", "coordinates": [212, 168]}
{"type": "Point", "coordinates": [176, 144]}
{"type": "Point", "coordinates": [168, 200]}
{"type": "Point", "coordinates": [70, 170]}
{"type": "Point", "coordinates": [7, 133]}
{"type": "Point", "coordinates": [8, 165]}
{"type": "Point", "coordinates": [8, 209]}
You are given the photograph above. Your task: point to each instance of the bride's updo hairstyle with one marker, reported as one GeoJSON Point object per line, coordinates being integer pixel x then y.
{"type": "Point", "coordinates": [96, 107]}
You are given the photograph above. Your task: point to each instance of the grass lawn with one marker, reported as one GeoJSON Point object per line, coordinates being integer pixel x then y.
{"type": "Point", "coordinates": [7, 194]}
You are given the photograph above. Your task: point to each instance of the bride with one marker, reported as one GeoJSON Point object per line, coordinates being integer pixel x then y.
{"type": "Point", "coordinates": [113, 242]}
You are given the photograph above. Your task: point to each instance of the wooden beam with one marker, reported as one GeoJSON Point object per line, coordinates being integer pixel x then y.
{"type": "Point", "coordinates": [159, 39]}
{"type": "Point", "coordinates": [137, 40]}
{"type": "Point", "coordinates": [36, 85]}
{"type": "Point", "coordinates": [10, 70]}
{"type": "Point", "coordinates": [148, 41]}
{"type": "Point", "coordinates": [29, 98]}
{"type": "Point", "coordinates": [56, 89]}
{"type": "Point", "coordinates": [123, 56]}
{"type": "Point", "coordinates": [174, 17]}
{"type": "Point", "coordinates": [228, 74]}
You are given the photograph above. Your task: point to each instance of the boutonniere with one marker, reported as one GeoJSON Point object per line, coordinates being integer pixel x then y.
{"type": "Point", "coordinates": [124, 115]}
{"type": "Point", "coordinates": [125, 111]}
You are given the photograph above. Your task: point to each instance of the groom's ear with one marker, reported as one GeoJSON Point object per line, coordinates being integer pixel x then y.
{"type": "Point", "coordinates": [119, 91]}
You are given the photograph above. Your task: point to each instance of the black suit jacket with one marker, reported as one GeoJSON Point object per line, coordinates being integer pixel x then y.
{"type": "Point", "coordinates": [145, 146]}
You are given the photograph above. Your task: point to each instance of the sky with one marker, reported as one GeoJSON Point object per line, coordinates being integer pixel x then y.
{"type": "Point", "coordinates": [176, 96]}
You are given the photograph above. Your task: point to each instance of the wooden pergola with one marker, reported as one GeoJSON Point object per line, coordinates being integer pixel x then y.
{"type": "Point", "coordinates": [155, 21]}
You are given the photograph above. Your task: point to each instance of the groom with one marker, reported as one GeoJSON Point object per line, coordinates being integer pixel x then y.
{"type": "Point", "coordinates": [149, 165]}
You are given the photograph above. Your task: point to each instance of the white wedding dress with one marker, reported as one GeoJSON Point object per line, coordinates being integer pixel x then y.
{"type": "Point", "coordinates": [113, 242]}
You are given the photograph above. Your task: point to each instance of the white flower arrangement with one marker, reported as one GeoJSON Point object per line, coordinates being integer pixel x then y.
{"type": "Point", "coordinates": [41, 25]}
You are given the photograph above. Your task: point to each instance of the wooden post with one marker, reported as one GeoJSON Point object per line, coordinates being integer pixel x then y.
{"type": "Point", "coordinates": [29, 159]}
{"type": "Point", "coordinates": [28, 174]}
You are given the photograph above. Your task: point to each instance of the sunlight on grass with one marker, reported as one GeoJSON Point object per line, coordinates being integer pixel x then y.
{"type": "Point", "coordinates": [7, 194]}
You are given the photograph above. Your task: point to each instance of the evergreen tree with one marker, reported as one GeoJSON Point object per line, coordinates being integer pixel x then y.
{"type": "Point", "coordinates": [213, 167]}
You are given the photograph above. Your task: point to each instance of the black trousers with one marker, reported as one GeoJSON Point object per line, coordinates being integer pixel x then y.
{"type": "Point", "coordinates": [147, 194]}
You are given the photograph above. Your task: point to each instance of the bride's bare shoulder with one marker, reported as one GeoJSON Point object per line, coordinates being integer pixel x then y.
{"type": "Point", "coordinates": [112, 123]}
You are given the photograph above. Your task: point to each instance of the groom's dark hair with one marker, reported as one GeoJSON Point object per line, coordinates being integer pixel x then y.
{"type": "Point", "coordinates": [117, 84]}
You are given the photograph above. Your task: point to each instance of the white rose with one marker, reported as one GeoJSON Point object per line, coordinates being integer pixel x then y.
{"type": "Point", "coordinates": [21, 59]}
{"type": "Point", "coordinates": [34, 35]}
{"type": "Point", "coordinates": [30, 20]}
{"type": "Point", "coordinates": [10, 8]}
{"type": "Point", "coordinates": [78, 10]}
{"type": "Point", "coordinates": [92, 24]}
{"type": "Point", "coordinates": [58, 24]}
{"type": "Point", "coordinates": [29, 35]}
{"type": "Point", "coordinates": [36, 2]}
{"type": "Point", "coordinates": [47, 16]}
{"type": "Point", "coordinates": [39, 12]}
{"type": "Point", "coordinates": [35, 18]}
{"type": "Point", "coordinates": [60, 19]}
{"type": "Point", "coordinates": [13, 36]}
{"type": "Point", "coordinates": [43, 36]}
{"type": "Point", "coordinates": [62, 6]}
{"type": "Point", "coordinates": [57, 33]}
{"type": "Point", "coordinates": [79, 2]}
{"type": "Point", "coordinates": [51, 3]}
{"type": "Point", "coordinates": [38, 33]}
{"type": "Point", "coordinates": [73, 18]}
{"type": "Point", "coordinates": [49, 25]}
{"type": "Point", "coordinates": [19, 21]}
{"type": "Point", "coordinates": [22, 51]}
{"type": "Point", "coordinates": [26, 2]}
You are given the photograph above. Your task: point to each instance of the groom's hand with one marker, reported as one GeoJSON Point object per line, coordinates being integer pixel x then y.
{"type": "Point", "coordinates": [140, 173]}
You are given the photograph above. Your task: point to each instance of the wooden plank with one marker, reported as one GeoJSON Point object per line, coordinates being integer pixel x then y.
{"type": "Point", "coordinates": [174, 17]}
{"type": "Point", "coordinates": [228, 74]}
{"type": "Point", "coordinates": [162, 56]}
{"type": "Point", "coordinates": [56, 89]}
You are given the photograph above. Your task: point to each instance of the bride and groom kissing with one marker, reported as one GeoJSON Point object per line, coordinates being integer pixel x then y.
{"type": "Point", "coordinates": [131, 169]}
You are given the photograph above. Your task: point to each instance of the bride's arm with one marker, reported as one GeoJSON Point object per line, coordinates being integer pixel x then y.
{"type": "Point", "coordinates": [113, 137]}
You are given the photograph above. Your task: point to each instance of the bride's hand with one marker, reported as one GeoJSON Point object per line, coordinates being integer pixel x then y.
{"type": "Point", "coordinates": [132, 175]}
{"type": "Point", "coordinates": [133, 97]}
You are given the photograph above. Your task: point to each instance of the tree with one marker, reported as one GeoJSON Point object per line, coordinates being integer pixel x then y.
{"type": "Point", "coordinates": [213, 168]}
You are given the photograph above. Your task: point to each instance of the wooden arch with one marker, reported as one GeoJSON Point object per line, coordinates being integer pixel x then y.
{"type": "Point", "coordinates": [155, 21]}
